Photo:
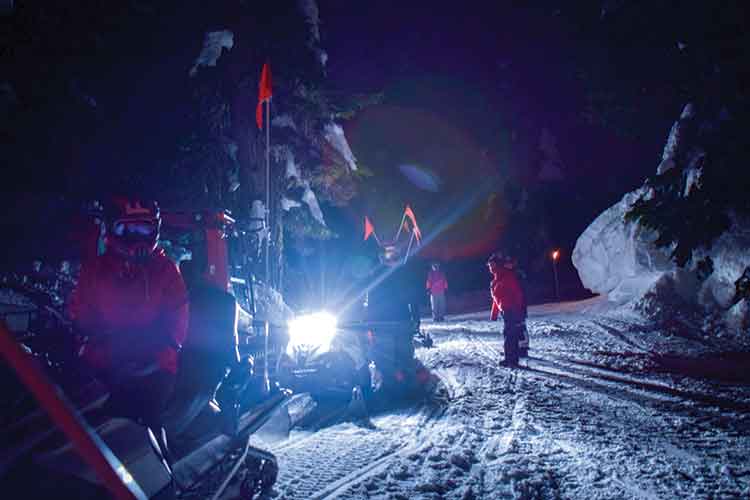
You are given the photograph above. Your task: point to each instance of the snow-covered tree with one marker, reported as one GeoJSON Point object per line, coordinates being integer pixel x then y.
{"type": "Point", "coordinates": [160, 97]}
{"type": "Point", "coordinates": [311, 161]}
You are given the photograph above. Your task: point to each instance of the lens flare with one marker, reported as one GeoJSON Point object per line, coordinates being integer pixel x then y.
{"type": "Point", "coordinates": [315, 330]}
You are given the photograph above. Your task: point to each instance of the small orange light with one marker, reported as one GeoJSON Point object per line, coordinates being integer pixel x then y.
{"type": "Point", "coordinates": [555, 255]}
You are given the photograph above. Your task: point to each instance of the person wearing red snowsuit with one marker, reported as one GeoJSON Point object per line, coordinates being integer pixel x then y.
{"type": "Point", "coordinates": [436, 285]}
{"type": "Point", "coordinates": [134, 314]}
{"type": "Point", "coordinates": [507, 298]}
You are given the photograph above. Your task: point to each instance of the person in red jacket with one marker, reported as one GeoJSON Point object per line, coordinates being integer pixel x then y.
{"type": "Point", "coordinates": [131, 306]}
{"type": "Point", "coordinates": [436, 285]}
{"type": "Point", "coordinates": [507, 298]}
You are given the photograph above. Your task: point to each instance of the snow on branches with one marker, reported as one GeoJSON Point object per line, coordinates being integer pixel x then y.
{"type": "Point", "coordinates": [213, 43]}
{"type": "Point", "coordinates": [334, 134]}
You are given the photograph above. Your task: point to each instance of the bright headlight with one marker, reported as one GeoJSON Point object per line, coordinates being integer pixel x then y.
{"type": "Point", "coordinates": [315, 330]}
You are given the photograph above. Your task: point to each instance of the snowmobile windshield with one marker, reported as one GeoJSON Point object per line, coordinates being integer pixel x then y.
{"type": "Point", "coordinates": [134, 228]}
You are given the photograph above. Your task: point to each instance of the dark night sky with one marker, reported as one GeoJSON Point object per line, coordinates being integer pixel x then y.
{"type": "Point", "coordinates": [460, 80]}
{"type": "Point", "coordinates": [489, 69]}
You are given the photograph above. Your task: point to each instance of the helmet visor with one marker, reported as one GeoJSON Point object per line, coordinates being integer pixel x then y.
{"type": "Point", "coordinates": [135, 228]}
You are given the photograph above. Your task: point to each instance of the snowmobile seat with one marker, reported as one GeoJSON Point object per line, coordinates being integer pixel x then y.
{"type": "Point", "coordinates": [210, 349]}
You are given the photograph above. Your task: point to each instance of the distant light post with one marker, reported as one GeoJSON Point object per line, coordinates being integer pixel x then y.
{"type": "Point", "coordinates": [555, 257]}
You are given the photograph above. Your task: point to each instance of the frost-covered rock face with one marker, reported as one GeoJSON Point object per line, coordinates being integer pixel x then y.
{"type": "Point", "coordinates": [618, 258]}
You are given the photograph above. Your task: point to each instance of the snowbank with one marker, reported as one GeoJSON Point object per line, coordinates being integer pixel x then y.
{"type": "Point", "coordinates": [618, 258]}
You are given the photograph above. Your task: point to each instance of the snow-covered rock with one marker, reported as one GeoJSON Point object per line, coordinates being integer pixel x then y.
{"type": "Point", "coordinates": [618, 258]}
{"type": "Point", "coordinates": [729, 255]}
{"type": "Point", "coordinates": [334, 134]}
{"type": "Point", "coordinates": [213, 44]}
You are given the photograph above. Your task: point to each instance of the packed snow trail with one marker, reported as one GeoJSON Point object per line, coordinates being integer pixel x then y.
{"type": "Point", "coordinates": [589, 416]}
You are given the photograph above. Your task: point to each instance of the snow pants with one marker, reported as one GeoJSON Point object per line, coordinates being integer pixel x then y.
{"type": "Point", "coordinates": [512, 331]}
{"type": "Point", "coordinates": [437, 302]}
{"type": "Point", "coordinates": [141, 398]}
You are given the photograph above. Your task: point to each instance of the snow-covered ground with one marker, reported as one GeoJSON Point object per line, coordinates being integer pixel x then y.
{"type": "Point", "coordinates": [604, 408]}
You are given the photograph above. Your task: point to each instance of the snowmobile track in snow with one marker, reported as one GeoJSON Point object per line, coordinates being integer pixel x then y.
{"type": "Point", "coordinates": [612, 383]}
{"type": "Point", "coordinates": [327, 462]}
{"type": "Point", "coordinates": [590, 416]}
{"type": "Point", "coordinates": [618, 335]}
{"type": "Point", "coordinates": [593, 376]}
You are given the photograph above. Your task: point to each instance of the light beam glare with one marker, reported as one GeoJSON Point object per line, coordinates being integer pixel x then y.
{"type": "Point", "coordinates": [471, 200]}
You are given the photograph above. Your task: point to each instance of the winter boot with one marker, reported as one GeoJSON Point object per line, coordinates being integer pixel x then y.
{"type": "Point", "coordinates": [523, 340]}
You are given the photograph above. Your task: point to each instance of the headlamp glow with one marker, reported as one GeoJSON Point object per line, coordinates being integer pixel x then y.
{"type": "Point", "coordinates": [314, 330]}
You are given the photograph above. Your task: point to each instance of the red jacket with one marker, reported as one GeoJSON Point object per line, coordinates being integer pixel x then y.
{"type": "Point", "coordinates": [506, 292]}
{"type": "Point", "coordinates": [131, 311]}
{"type": "Point", "coordinates": [436, 282]}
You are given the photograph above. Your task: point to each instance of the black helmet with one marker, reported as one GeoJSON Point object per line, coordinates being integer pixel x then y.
{"type": "Point", "coordinates": [501, 259]}
{"type": "Point", "coordinates": [496, 258]}
{"type": "Point", "coordinates": [132, 226]}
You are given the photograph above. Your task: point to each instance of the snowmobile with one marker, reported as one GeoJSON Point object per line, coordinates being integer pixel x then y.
{"type": "Point", "coordinates": [223, 393]}
{"type": "Point", "coordinates": [363, 356]}
{"type": "Point", "coordinates": [395, 252]}
{"type": "Point", "coordinates": [366, 348]}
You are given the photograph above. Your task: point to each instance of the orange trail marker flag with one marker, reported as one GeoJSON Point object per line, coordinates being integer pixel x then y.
{"type": "Point", "coordinates": [410, 214]}
{"type": "Point", "coordinates": [370, 229]}
{"type": "Point", "coordinates": [264, 93]}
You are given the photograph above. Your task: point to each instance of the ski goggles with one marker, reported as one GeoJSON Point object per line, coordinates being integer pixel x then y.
{"type": "Point", "coordinates": [135, 228]}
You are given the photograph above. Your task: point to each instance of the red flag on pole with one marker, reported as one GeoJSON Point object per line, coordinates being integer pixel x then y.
{"type": "Point", "coordinates": [264, 93]}
{"type": "Point", "coordinates": [410, 214]}
{"type": "Point", "coordinates": [369, 229]}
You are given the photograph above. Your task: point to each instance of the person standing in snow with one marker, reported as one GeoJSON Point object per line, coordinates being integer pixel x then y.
{"type": "Point", "coordinates": [507, 298]}
{"type": "Point", "coordinates": [131, 308]}
{"type": "Point", "coordinates": [436, 285]}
